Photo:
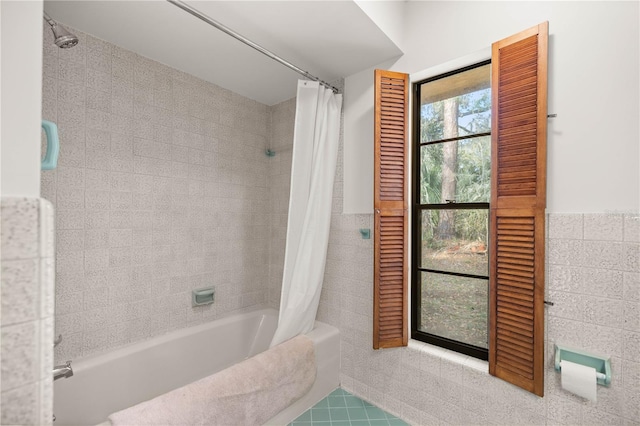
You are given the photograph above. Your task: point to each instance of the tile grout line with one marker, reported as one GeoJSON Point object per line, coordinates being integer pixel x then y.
{"type": "Point", "coordinates": [346, 408]}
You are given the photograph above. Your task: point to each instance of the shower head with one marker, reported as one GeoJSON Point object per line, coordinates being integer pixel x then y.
{"type": "Point", "coordinates": [62, 38]}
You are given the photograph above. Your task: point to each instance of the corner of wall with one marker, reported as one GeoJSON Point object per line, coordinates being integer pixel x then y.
{"type": "Point", "coordinates": [21, 97]}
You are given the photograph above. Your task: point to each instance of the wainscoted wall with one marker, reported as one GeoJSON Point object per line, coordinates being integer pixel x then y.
{"type": "Point", "coordinates": [162, 187]}
{"type": "Point", "coordinates": [594, 282]}
{"type": "Point", "coordinates": [27, 311]}
{"type": "Point", "coordinates": [593, 263]}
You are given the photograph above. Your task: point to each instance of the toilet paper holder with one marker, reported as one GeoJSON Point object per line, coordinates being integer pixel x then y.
{"type": "Point", "coordinates": [601, 363]}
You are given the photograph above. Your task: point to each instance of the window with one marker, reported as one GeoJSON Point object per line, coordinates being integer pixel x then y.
{"type": "Point", "coordinates": [515, 241]}
{"type": "Point", "coordinates": [450, 218]}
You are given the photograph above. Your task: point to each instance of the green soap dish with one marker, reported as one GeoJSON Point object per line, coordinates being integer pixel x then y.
{"type": "Point", "coordinates": [601, 363]}
{"type": "Point", "coordinates": [202, 296]}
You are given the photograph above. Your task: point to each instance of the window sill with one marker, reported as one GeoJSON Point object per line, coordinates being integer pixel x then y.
{"type": "Point", "coordinates": [465, 361]}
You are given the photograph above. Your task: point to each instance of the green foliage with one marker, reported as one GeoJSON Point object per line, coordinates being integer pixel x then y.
{"type": "Point", "coordinates": [473, 165]}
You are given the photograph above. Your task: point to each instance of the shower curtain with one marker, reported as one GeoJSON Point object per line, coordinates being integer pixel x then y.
{"type": "Point", "coordinates": [315, 152]}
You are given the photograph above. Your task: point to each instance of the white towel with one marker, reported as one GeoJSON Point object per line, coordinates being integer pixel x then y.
{"type": "Point", "coordinates": [248, 393]}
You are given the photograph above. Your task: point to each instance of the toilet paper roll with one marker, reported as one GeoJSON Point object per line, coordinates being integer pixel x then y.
{"type": "Point", "coordinates": [579, 379]}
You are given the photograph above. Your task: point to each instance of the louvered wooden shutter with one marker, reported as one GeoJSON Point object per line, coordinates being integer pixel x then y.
{"type": "Point", "coordinates": [518, 152]}
{"type": "Point", "coordinates": [390, 208]}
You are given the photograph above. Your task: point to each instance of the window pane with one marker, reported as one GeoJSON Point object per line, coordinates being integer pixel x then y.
{"type": "Point", "coordinates": [453, 170]}
{"type": "Point", "coordinates": [457, 105]}
{"type": "Point", "coordinates": [455, 240]}
{"type": "Point", "coordinates": [459, 171]}
{"type": "Point", "coordinates": [455, 308]}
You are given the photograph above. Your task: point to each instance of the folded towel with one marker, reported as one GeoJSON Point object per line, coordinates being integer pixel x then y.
{"type": "Point", "coordinates": [248, 393]}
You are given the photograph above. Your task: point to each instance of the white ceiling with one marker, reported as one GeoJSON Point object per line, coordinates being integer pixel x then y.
{"type": "Point", "coordinates": [329, 39]}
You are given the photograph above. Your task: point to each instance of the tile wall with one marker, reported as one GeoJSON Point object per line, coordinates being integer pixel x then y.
{"type": "Point", "coordinates": [593, 264]}
{"type": "Point", "coordinates": [162, 187]}
{"type": "Point", "coordinates": [594, 283]}
{"type": "Point", "coordinates": [26, 384]}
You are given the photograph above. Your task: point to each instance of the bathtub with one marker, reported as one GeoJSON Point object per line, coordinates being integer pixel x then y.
{"type": "Point", "coordinates": [110, 382]}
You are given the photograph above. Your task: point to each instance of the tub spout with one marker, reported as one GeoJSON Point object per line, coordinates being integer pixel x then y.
{"type": "Point", "coordinates": [62, 371]}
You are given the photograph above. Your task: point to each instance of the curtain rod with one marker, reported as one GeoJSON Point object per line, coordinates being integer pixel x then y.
{"type": "Point", "coordinates": [248, 42]}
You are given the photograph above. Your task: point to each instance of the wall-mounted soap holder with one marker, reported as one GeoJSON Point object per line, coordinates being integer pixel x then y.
{"type": "Point", "coordinates": [601, 363]}
{"type": "Point", "coordinates": [365, 233]}
{"type": "Point", "coordinates": [202, 296]}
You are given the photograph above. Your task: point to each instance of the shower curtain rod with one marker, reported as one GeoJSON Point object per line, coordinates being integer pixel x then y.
{"type": "Point", "coordinates": [248, 42]}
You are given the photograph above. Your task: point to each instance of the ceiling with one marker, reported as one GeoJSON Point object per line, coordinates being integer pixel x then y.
{"type": "Point", "coordinates": [329, 39]}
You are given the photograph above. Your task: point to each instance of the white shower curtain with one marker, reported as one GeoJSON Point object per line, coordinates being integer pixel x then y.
{"type": "Point", "coordinates": [315, 152]}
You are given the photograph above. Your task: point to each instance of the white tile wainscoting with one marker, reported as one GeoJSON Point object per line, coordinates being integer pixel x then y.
{"type": "Point", "coordinates": [26, 385]}
{"type": "Point", "coordinates": [594, 282]}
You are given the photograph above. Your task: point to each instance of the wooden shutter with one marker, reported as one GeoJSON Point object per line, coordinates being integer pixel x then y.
{"type": "Point", "coordinates": [391, 174]}
{"type": "Point", "coordinates": [518, 201]}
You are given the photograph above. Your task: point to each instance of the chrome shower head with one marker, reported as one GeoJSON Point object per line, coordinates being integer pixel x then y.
{"type": "Point", "coordinates": [62, 38]}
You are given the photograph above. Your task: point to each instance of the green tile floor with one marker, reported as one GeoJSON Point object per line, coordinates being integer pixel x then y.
{"type": "Point", "coordinates": [341, 408]}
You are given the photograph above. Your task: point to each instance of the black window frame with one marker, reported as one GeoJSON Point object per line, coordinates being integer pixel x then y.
{"type": "Point", "coordinates": [416, 240]}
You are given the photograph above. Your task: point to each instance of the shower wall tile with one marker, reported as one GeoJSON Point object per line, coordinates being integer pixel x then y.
{"type": "Point", "coordinates": [154, 196]}
{"type": "Point", "coordinates": [631, 283]}
{"type": "Point", "coordinates": [98, 80]}
{"type": "Point", "coordinates": [69, 71]}
{"type": "Point", "coordinates": [632, 228]}
{"type": "Point", "coordinates": [27, 292]}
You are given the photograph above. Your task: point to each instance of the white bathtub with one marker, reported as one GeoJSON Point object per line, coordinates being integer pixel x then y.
{"type": "Point", "coordinates": [110, 382]}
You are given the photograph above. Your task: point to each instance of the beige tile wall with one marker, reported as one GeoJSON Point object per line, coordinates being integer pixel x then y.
{"type": "Point", "coordinates": [26, 391]}
{"type": "Point", "coordinates": [162, 187]}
